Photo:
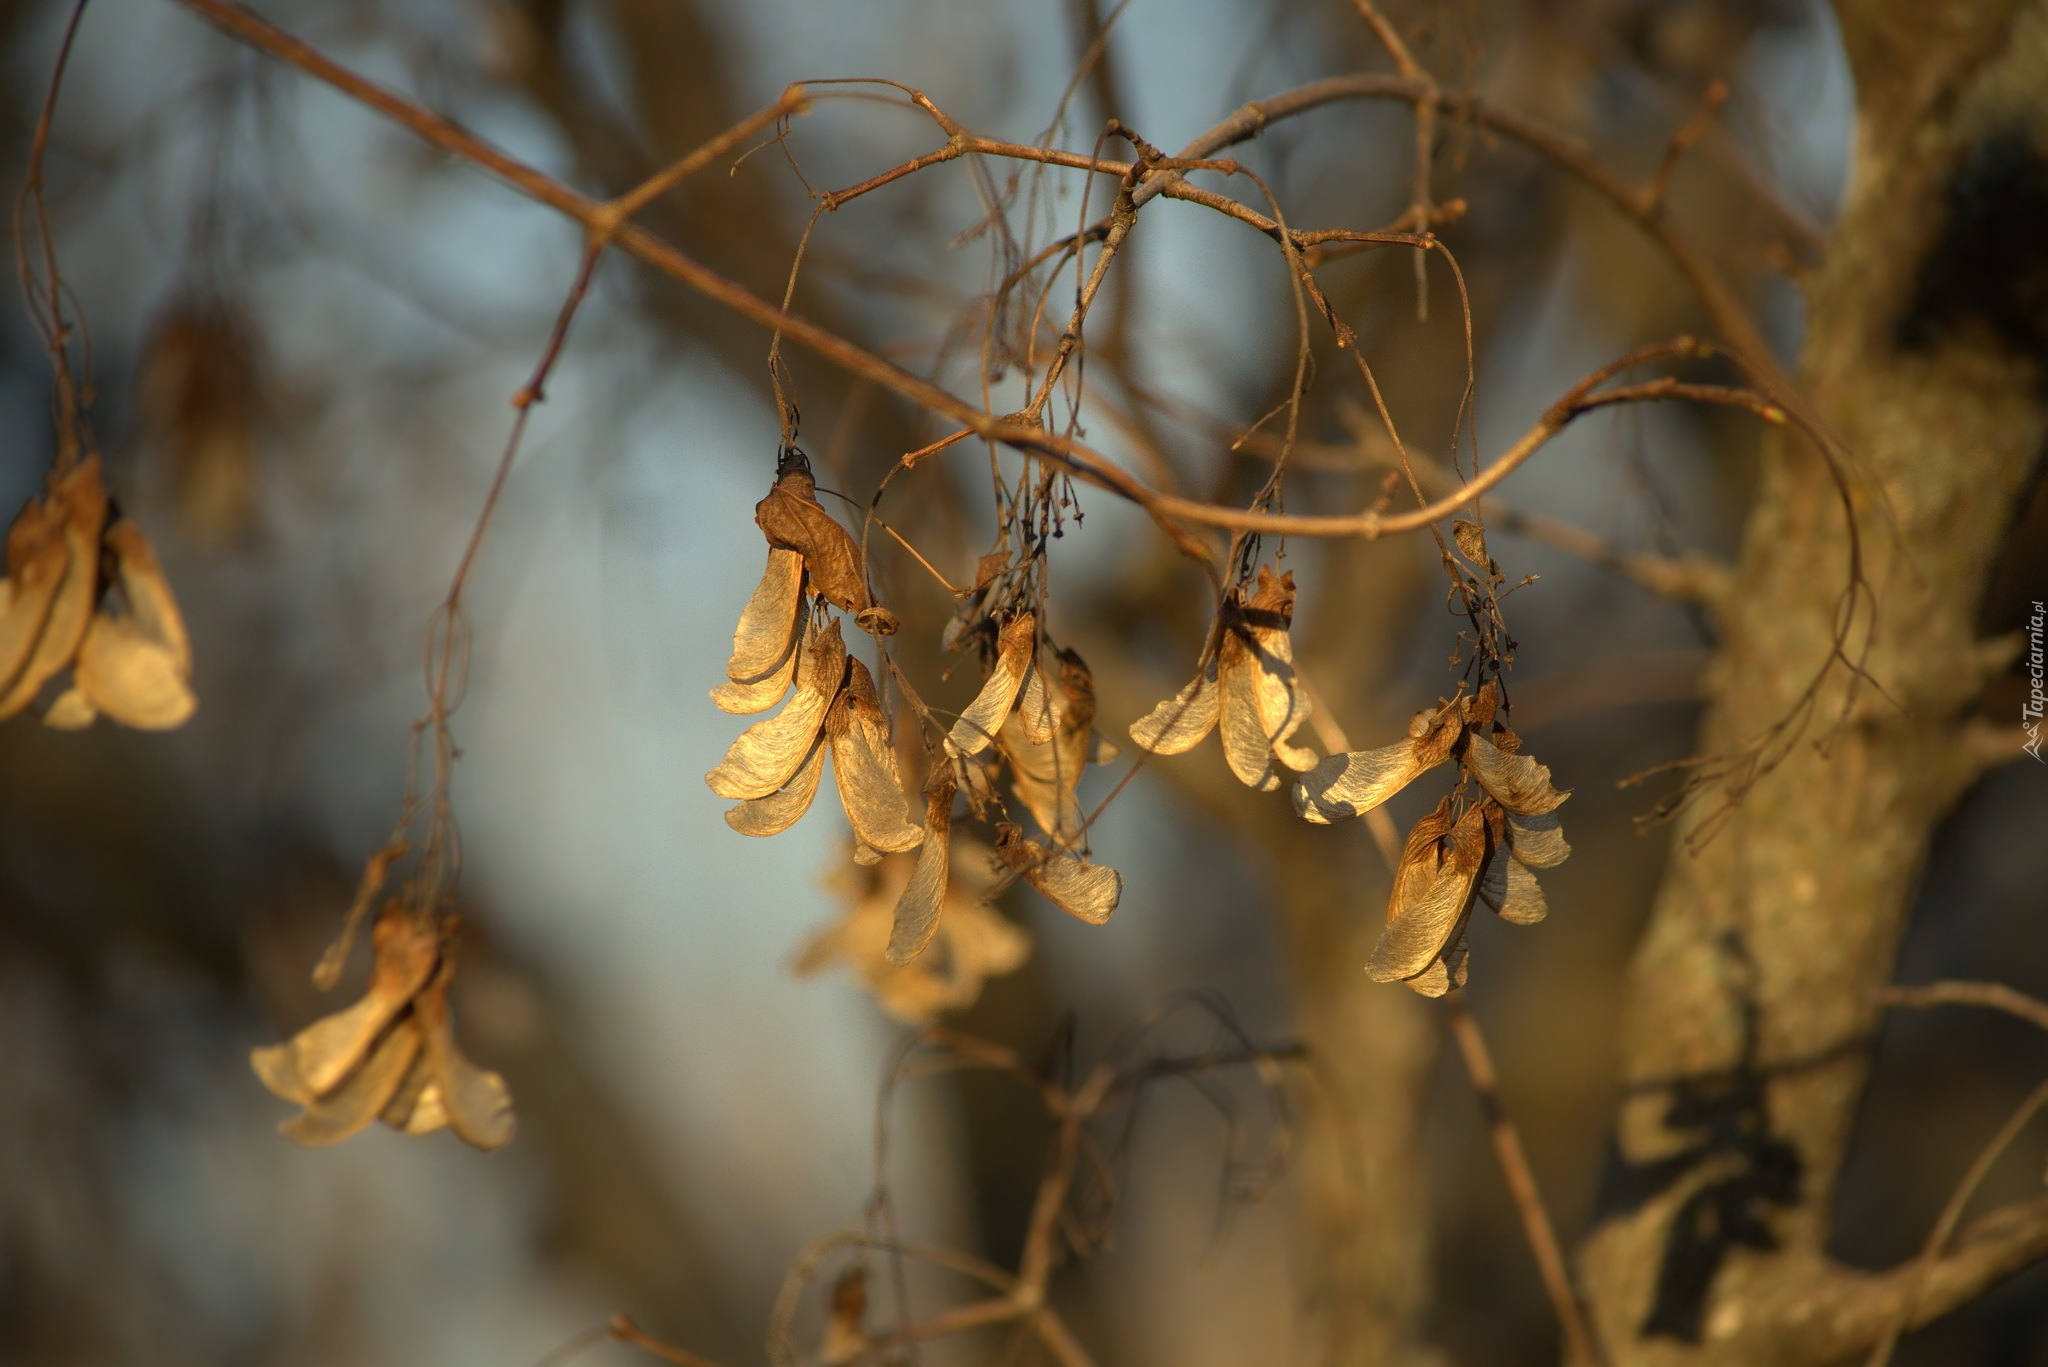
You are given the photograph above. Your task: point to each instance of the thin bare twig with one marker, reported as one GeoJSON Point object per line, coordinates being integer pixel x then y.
{"type": "Point", "coordinates": [1949, 992]}
{"type": "Point", "coordinates": [1521, 1179]}
{"type": "Point", "coordinates": [1951, 1213]}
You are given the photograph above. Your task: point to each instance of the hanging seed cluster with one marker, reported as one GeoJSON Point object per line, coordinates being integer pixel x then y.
{"type": "Point", "coordinates": [1015, 753]}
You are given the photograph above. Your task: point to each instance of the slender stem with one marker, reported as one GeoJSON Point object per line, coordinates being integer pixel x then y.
{"type": "Point", "coordinates": [1521, 1179]}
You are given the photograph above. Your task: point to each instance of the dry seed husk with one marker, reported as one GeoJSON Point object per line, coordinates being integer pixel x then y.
{"type": "Point", "coordinates": [1511, 890]}
{"type": "Point", "coordinates": [1077, 887]}
{"type": "Point", "coordinates": [1352, 784]}
{"type": "Point", "coordinates": [478, 1106]}
{"type": "Point", "coordinates": [1044, 774]}
{"type": "Point", "coordinates": [1515, 781]}
{"type": "Point", "coordinates": [984, 716]}
{"type": "Point", "coordinates": [766, 637]}
{"type": "Point", "coordinates": [777, 812]}
{"type": "Point", "coordinates": [1179, 724]}
{"type": "Point", "coordinates": [53, 549]}
{"type": "Point", "coordinates": [135, 668]}
{"type": "Point", "coordinates": [416, 1106]}
{"type": "Point", "coordinates": [745, 699]}
{"type": "Point", "coordinates": [316, 1059]}
{"type": "Point", "coordinates": [1432, 890]}
{"type": "Point", "coordinates": [791, 518]}
{"type": "Point", "coordinates": [1443, 973]}
{"type": "Point", "coordinates": [1537, 840]}
{"type": "Point", "coordinates": [1037, 712]}
{"type": "Point", "coordinates": [768, 754]}
{"type": "Point", "coordinates": [917, 911]}
{"type": "Point", "coordinates": [864, 766]}
{"type": "Point", "coordinates": [1261, 704]}
{"type": "Point", "coordinates": [359, 1099]}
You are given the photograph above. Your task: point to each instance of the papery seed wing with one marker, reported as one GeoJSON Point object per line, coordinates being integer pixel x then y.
{"type": "Point", "coordinates": [984, 716]}
{"type": "Point", "coordinates": [25, 600]}
{"type": "Point", "coordinates": [1246, 745]}
{"type": "Point", "coordinates": [82, 499]}
{"type": "Point", "coordinates": [1352, 784]}
{"type": "Point", "coordinates": [1282, 704]}
{"type": "Point", "coordinates": [1516, 782]}
{"type": "Point", "coordinates": [316, 1059]}
{"type": "Point", "coordinates": [791, 518]}
{"type": "Point", "coordinates": [864, 766]}
{"type": "Point", "coordinates": [361, 1096]}
{"type": "Point", "coordinates": [777, 812]}
{"type": "Point", "coordinates": [72, 710]}
{"type": "Point", "coordinates": [132, 678]}
{"type": "Point", "coordinates": [1432, 981]}
{"type": "Point", "coordinates": [745, 699]}
{"type": "Point", "coordinates": [478, 1106]}
{"type": "Point", "coordinates": [917, 910]}
{"type": "Point", "coordinates": [415, 1108]}
{"type": "Point", "coordinates": [1075, 886]}
{"type": "Point", "coordinates": [768, 754]}
{"type": "Point", "coordinates": [1179, 723]}
{"type": "Point", "coordinates": [1037, 711]}
{"type": "Point", "coordinates": [42, 579]}
{"type": "Point", "coordinates": [766, 638]}
{"type": "Point", "coordinates": [1443, 973]}
{"type": "Point", "coordinates": [1432, 891]}
{"type": "Point", "coordinates": [1537, 841]}
{"type": "Point", "coordinates": [1511, 890]}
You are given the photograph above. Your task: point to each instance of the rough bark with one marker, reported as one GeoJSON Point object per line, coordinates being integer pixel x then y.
{"type": "Point", "coordinates": [1752, 994]}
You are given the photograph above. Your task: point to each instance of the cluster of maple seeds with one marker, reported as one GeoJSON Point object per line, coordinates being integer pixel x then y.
{"type": "Point", "coordinates": [83, 592]}
{"type": "Point", "coordinates": [392, 1055]}
{"type": "Point", "coordinates": [1034, 717]}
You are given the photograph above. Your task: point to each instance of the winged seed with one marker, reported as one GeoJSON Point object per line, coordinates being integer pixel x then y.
{"type": "Point", "coordinates": [864, 766]}
{"type": "Point", "coordinates": [1352, 784]}
{"type": "Point", "coordinates": [777, 812]}
{"type": "Point", "coordinates": [1179, 724]}
{"type": "Point", "coordinates": [916, 919]}
{"type": "Point", "coordinates": [1431, 893]}
{"type": "Point", "coordinates": [768, 753]}
{"type": "Point", "coordinates": [984, 716]}
{"type": "Point", "coordinates": [767, 632]}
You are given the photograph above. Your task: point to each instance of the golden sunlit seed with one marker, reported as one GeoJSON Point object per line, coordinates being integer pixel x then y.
{"type": "Point", "coordinates": [984, 716]}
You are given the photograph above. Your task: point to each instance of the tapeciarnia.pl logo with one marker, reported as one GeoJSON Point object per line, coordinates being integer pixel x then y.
{"type": "Point", "coordinates": [2037, 700]}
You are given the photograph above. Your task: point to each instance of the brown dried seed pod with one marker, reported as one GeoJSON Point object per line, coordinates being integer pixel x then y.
{"type": "Point", "coordinates": [478, 1106]}
{"type": "Point", "coordinates": [1511, 890]}
{"type": "Point", "coordinates": [1261, 703]}
{"type": "Point", "coordinates": [361, 1096]}
{"type": "Point", "coordinates": [1432, 892]}
{"type": "Point", "coordinates": [53, 556]}
{"type": "Point", "coordinates": [316, 1059]}
{"type": "Point", "coordinates": [984, 716]}
{"type": "Point", "coordinates": [916, 918]}
{"type": "Point", "coordinates": [792, 518]}
{"type": "Point", "coordinates": [1179, 724]}
{"type": "Point", "coordinates": [135, 667]}
{"type": "Point", "coordinates": [1515, 781]}
{"type": "Point", "coordinates": [1044, 774]}
{"type": "Point", "coordinates": [766, 636]}
{"type": "Point", "coordinates": [1537, 839]}
{"type": "Point", "coordinates": [864, 766]}
{"type": "Point", "coordinates": [415, 1107]}
{"type": "Point", "coordinates": [1077, 887]}
{"type": "Point", "coordinates": [768, 754]}
{"type": "Point", "coordinates": [1352, 784]}
{"type": "Point", "coordinates": [777, 812]}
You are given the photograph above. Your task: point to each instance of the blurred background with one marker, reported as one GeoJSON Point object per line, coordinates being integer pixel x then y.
{"type": "Point", "coordinates": [306, 328]}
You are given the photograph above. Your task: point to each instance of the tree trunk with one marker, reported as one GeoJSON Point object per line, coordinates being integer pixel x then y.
{"type": "Point", "coordinates": [1752, 995]}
